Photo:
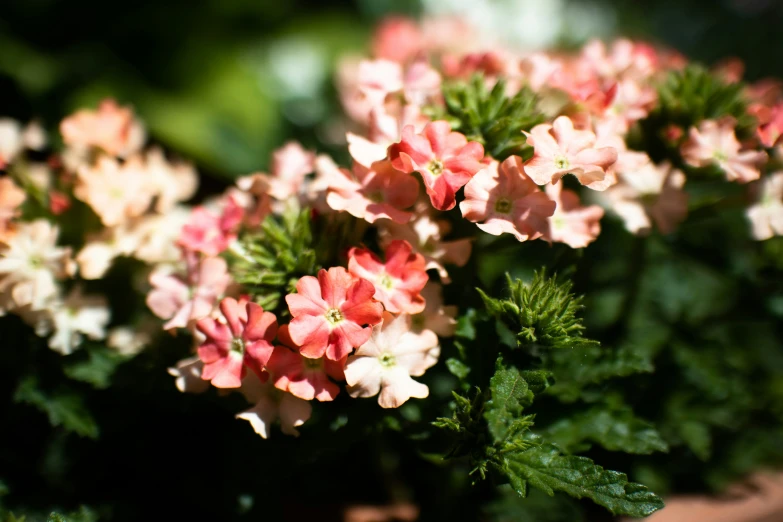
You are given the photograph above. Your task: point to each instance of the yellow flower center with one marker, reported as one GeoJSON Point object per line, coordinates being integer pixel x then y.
{"type": "Point", "coordinates": [386, 281]}
{"type": "Point", "coordinates": [561, 162]}
{"type": "Point", "coordinates": [313, 364]}
{"type": "Point", "coordinates": [334, 316]}
{"type": "Point", "coordinates": [436, 167]}
{"type": "Point", "coordinates": [503, 206]}
{"type": "Point", "coordinates": [237, 345]}
{"type": "Point", "coordinates": [387, 360]}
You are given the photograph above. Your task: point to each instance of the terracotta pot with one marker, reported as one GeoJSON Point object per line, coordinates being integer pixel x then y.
{"type": "Point", "coordinates": [758, 500]}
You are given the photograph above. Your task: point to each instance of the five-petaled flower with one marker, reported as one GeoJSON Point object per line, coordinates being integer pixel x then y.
{"type": "Point", "coordinates": [244, 340]}
{"type": "Point", "coordinates": [559, 149]}
{"type": "Point", "coordinates": [332, 313]}
{"type": "Point", "coordinates": [446, 160]}
{"type": "Point", "coordinates": [399, 281]}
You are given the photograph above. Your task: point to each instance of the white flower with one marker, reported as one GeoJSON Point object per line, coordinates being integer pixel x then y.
{"type": "Point", "coordinates": [188, 375]}
{"type": "Point", "coordinates": [766, 215]}
{"type": "Point", "coordinates": [387, 361]}
{"type": "Point", "coordinates": [30, 264]}
{"type": "Point", "coordinates": [127, 340]}
{"type": "Point", "coordinates": [75, 317]}
{"type": "Point", "coordinates": [271, 403]}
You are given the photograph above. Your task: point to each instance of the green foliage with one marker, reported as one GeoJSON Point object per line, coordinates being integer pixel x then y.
{"type": "Point", "coordinates": [614, 428]}
{"type": "Point", "coordinates": [94, 365]}
{"type": "Point", "coordinates": [545, 468]}
{"type": "Point", "coordinates": [273, 259]}
{"type": "Point", "coordinates": [63, 407]}
{"type": "Point", "coordinates": [490, 117]}
{"type": "Point", "coordinates": [543, 312]}
{"type": "Point", "coordinates": [510, 395]}
{"type": "Point", "coordinates": [84, 514]}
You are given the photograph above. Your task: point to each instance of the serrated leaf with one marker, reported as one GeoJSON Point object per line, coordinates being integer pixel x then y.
{"type": "Point", "coordinates": [510, 395]}
{"type": "Point", "coordinates": [545, 468]}
{"type": "Point", "coordinates": [98, 368]}
{"type": "Point", "coordinates": [616, 429]}
{"type": "Point", "coordinates": [64, 408]}
{"type": "Point", "coordinates": [457, 368]}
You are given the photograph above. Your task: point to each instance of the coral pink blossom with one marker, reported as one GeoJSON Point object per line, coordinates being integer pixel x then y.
{"type": "Point", "coordinates": [445, 160]}
{"type": "Point", "coordinates": [650, 194]}
{"type": "Point", "coordinates": [426, 236]}
{"type": "Point", "coordinates": [572, 224]}
{"type": "Point", "coordinates": [770, 130]}
{"type": "Point", "coordinates": [506, 200]}
{"type": "Point", "coordinates": [766, 215]}
{"type": "Point", "coordinates": [210, 233]}
{"type": "Point", "coordinates": [111, 128]}
{"type": "Point", "coordinates": [398, 39]}
{"type": "Point", "coordinates": [373, 193]}
{"type": "Point", "coordinates": [559, 149]}
{"type": "Point", "coordinates": [330, 313]}
{"type": "Point", "coordinates": [305, 378]}
{"type": "Point", "coordinates": [436, 317]}
{"type": "Point", "coordinates": [714, 143]}
{"type": "Point", "coordinates": [386, 362]}
{"type": "Point", "coordinates": [183, 300]}
{"type": "Point", "coordinates": [11, 198]}
{"type": "Point", "coordinates": [399, 281]}
{"type": "Point", "coordinates": [244, 340]}
{"type": "Point", "coordinates": [269, 405]}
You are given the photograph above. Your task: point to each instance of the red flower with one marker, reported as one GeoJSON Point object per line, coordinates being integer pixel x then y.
{"type": "Point", "coordinates": [245, 340]}
{"type": "Point", "coordinates": [330, 313]}
{"type": "Point", "coordinates": [305, 378]}
{"type": "Point", "coordinates": [445, 160]}
{"type": "Point", "coordinates": [399, 282]}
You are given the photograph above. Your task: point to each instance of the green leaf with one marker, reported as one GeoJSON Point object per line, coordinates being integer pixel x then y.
{"type": "Point", "coordinates": [64, 408]}
{"type": "Point", "coordinates": [457, 368]}
{"type": "Point", "coordinates": [616, 429]}
{"type": "Point", "coordinates": [84, 514]}
{"type": "Point", "coordinates": [510, 395]}
{"type": "Point", "coordinates": [98, 368]}
{"type": "Point", "coordinates": [545, 468]}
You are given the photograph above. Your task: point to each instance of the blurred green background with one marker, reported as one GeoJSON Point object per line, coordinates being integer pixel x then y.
{"type": "Point", "coordinates": [225, 81]}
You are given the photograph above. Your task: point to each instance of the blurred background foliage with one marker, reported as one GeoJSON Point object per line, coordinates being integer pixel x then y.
{"type": "Point", "coordinates": [224, 82]}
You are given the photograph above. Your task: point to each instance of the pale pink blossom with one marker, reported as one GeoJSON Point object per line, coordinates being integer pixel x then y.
{"type": "Point", "coordinates": [623, 58]}
{"type": "Point", "coordinates": [378, 79]}
{"type": "Point", "coordinates": [157, 235]}
{"type": "Point", "coordinates": [31, 264]}
{"type": "Point", "coordinates": [446, 160]}
{"type": "Point", "coordinates": [11, 142]}
{"type": "Point", "coordinates": [116, 192]}
{"type": "Point", "coordinates": [130, 340]}
{"type": "Point", "coordinates": [301, 376]}
{"type": "Point", "coordinates": [95, 258]}
{"type": "Point", "coordinates": [386, 362]}
{"type": "Point", "coordinates": [111, 128]}
{"type": "Point", "coordinates": [377, 192]}
{"type": "Point", "coordinates": [171, 182]}
{"type": "Point", "coordinates": [332, 314]}
{"type": "Point", "coordinates": [426, 235]}
{"type": "Point", "coordinates": [572, 224]}
{"type": "Point", "coordinates": [243, 341]}
{"type": "Point", "coordinates": [436, 316]}
{"type": "Point", "coordinates": [385, 128]}
{"type": "Point", "coordinates": [714, 143]}
{"type": "Point", "coordinates": [559, 149]}
{"type": "Point", "coordinates": [271, 404]}
{"type": "Point", "coordinates": [182, 300]}
{"type": "Point", "coordinates": [766, 214]}
{"type": "Point", "coordinates": [399, 281]}
{"type": "Point", "coordinates": [398, 39]}
{"type": "Point", "coordinates": [651, 194]}
{"type": "Point", "coordinates": [503, 199]}
{"type": "Point", "coordinates": [188, 375]}
{"type": "Point", "coordinates": [287, 178]}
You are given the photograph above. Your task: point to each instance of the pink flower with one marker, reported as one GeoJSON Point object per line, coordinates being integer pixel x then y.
{"type": "Point", "coordinates": [303, 377]}
{"type": "Point", "coordinates": [209, 233]}
{"type": "Point", "coordinates": [184, 300]}
{"type": "Point", "coordinates": [770, 129]}
{"type": "Point", "coordinates": [766, 215]}
{"type": "Point", "coordinates": [379, 78]}
{"type": "Point", "coordinates": [572, 224]}
{"type": "Point", "coordinates": [330, 313]}
{"type": "Point", "coordinates": [270, 405]}
{"type": "Point", "coordinates": [425, 235]}
{"type": "Point", "coordinates": [111, 128]}
{"type": "Point", "coordinates": [397, 38]}
{"type": "Point", "coordinates": [650, 194]}
{"type": "Point", "coordinates": [507, 200]}
{"type": "Point", "coordinates": [714, 143]}
{"type": "Point", "coordinates": [561, 150]}
{"type": "Point", "coordinates": [445, 160]}
{"type": "Point", "coordinates": [386, 362]}
{"type": "Point", "coordinates": [244, 340]}
{"type": "Point", "coordinates": [398, 282]}
{"type": "Point", "coordinates": [373, 193]}
{"type": "Point", "coordinates": [11, 198]}
{"type": "Point", "coordinates": [436, 317]}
